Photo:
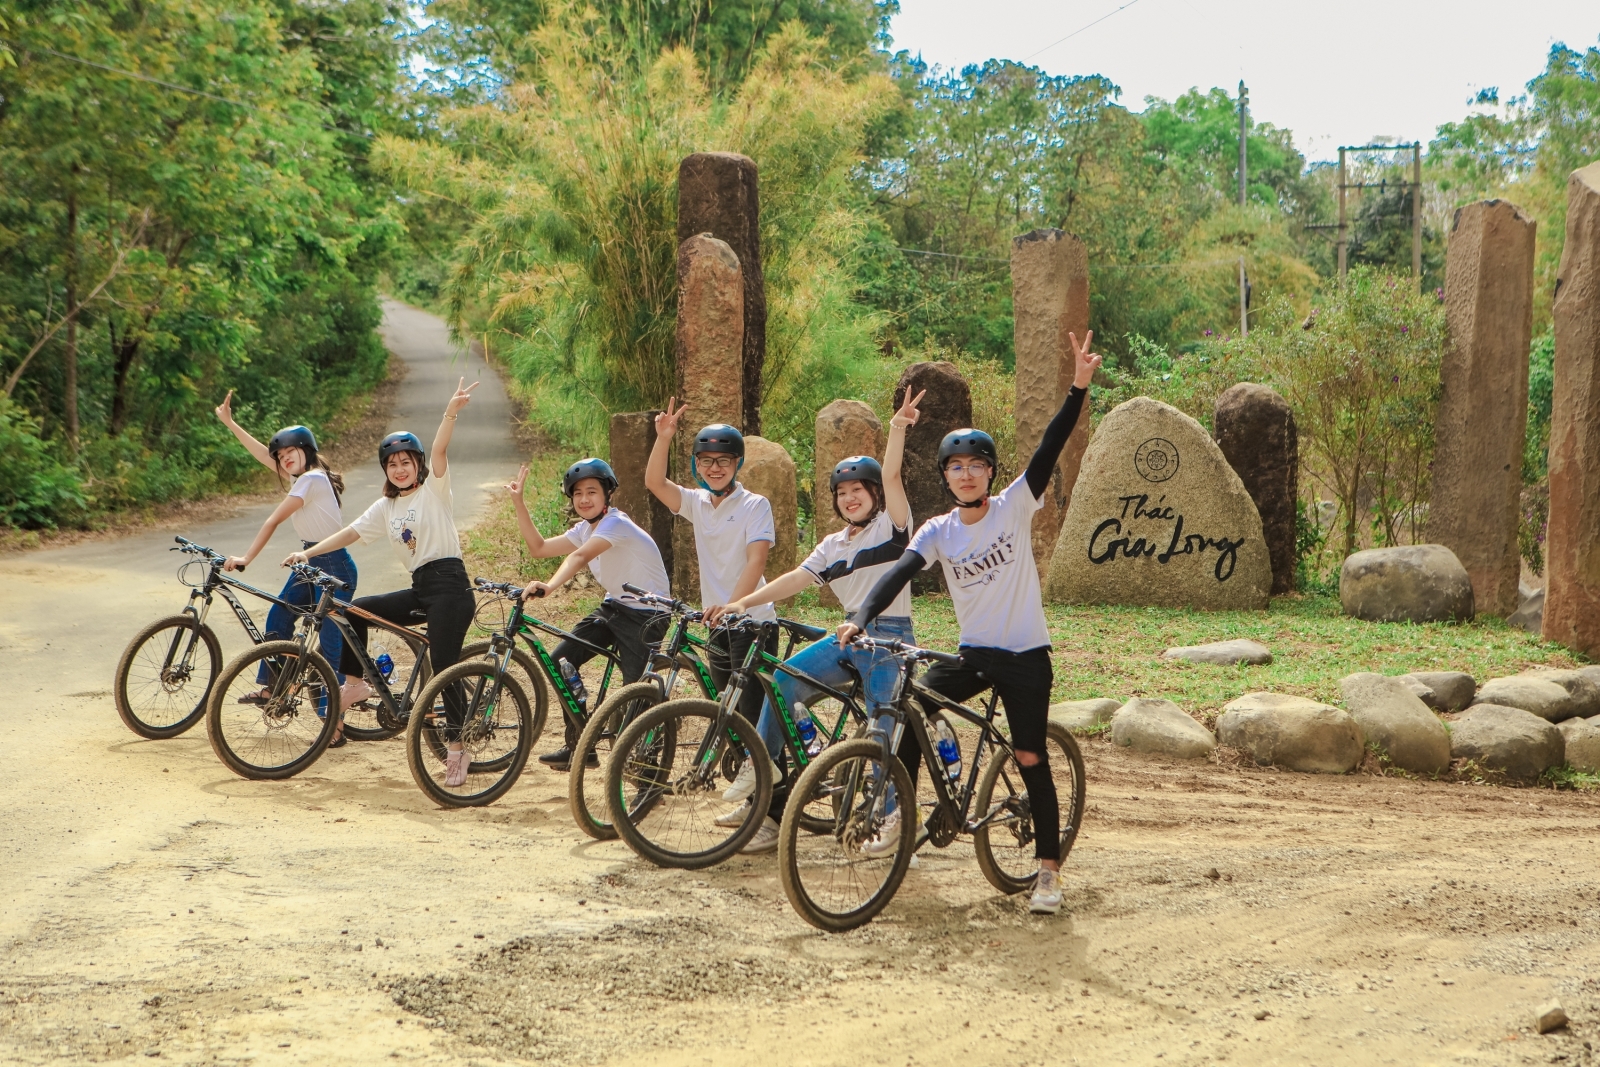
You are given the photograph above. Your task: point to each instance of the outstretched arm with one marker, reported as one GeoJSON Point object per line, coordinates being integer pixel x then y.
{"type": "Point", "coordinates": [894, 579]}
{"type": "Point", "coordinates": [570, 566]}
{"type": "Point", "coordinates": [332, 543]}
{"type": "Point", "coordinates": [254, 447]}
{"type": "Point", "coordinates": [539, 546]}
{"type": "Point", "coordinates": [894, 490]}
{"type": "Point", "coordinates": [1043, 463]}
{"type": "Point", "coordinates": [290, 505]}
{"type": "Point", "coordinates": [782, 587]}
{"type": "Point", "coordinates": [655, 471]}
{"type": "Point", "coordinates": [447, 427]}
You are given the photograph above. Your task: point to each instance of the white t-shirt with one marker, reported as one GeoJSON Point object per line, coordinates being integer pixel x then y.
{"type": "Point", "coordinates": [721, 532]}
{"type": "Point", "coordinates": [989, 568]}
{"type": "Point", "coordinates": [319, 516]}
{"type": "Point", "coordinates": [633, 558]}
{"type": "Point", "coordinates": [420, 526]}
{"type": "Point", "coordinates": [854, 564]}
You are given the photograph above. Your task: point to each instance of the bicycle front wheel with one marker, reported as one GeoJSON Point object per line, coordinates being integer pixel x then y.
{"type": "Point", "coordinates": [165, 675]}
{"type": "Point", "coordinates": [277, 728]}
{"type": "Point", "coordinates": [666, 779]}
{"type": "Point", "coordinates": [525, 670]}
{"type": "Point", "coordinates": [839, 880]}
{"type": "Point", "coordinates": [1005, 843]}
{"type": "Point", "coordinates": [496, 733]}
{"type": "Point", "coordinates": [586, 793]}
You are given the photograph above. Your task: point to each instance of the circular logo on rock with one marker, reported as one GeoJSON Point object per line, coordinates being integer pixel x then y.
{"type": "Point", "coordinates": [1156, 460]}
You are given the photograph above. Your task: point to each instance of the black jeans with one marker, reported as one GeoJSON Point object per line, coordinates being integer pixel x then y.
{"type": "Point", "coordinates": [616, 626]}
{"type": "Point", "coordinates": [1023, 680]}
{"type": "Point", "coordinates": [441, 591]}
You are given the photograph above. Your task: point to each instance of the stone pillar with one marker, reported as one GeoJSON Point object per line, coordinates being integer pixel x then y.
{"type": "Point", "coordinates": [1480, 428]}
{"type": "Point", "coordinates": [1255, 429]}
{"type": "Point", "coordinates": [718, 193]}
{"type": "Point", "coordinates": [1572, 546]}
{"type": "Point", "coordinates": [769, 471]}
{"type": "Point", "coordinates": [844, 428]}
{"type": "Point", "coordinates": [709, 371]}
{"type": "Point", "coordinates": [948, 406]}
{"type": "Point", "coordinates": [633, 435]}
{"type": "Point", "coordinates": [1050, 299]}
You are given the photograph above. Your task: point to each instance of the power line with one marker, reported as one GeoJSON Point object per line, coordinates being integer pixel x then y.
{"type": "Point", "coordinates": [1080, 29]}
{"type": "Point", "coordinates": [168, 85]}
{"type": "Point", "coordinates": [1093, 266]}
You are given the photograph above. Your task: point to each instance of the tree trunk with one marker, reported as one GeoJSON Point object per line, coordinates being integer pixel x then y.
{"type": "Point", "coordinates": [69, 355]}
{"type": "Point", "coordinates": [125, 352]}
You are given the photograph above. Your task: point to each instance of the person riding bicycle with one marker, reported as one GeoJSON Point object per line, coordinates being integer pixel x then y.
{"type": "Point", "coordinates": [415, 513]}
{"type": "Point", "coordinates": [985, 545]}
{"type": "Point", "coordinates": [871, 500]}
{"type": "Point", "coordinates": [733, 534]}
{"type": "Point", "coordinates": [313, 505]}
{"type": "Point", "coordinates": [619, 552]}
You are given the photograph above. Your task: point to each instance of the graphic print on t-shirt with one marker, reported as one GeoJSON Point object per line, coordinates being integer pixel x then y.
{"type": "Point", "coordinates": [403, 527]}
{"type": "Point", "coordinates": [982, 566]}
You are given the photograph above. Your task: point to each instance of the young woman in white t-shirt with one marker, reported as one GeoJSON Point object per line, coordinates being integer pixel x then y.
{"type": "Point", "coordinates": [871, 500]}
{"type": "Point", "coordinates": [416, 515]}
{"type": "Point", "coordinates": [619, 552]}
{"type": "Point", "coordinates": [986, 548]}
{"type": "Point", "coordinates": [313, 506]}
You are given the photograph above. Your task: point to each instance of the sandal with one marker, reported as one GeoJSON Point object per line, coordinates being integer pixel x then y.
{"type": "Point", "coordinates": [260, 697]}
{"type": "Point", "coordinates": [339, 739]}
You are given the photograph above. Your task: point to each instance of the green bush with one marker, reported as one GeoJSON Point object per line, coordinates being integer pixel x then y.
{"type": "Point", "coordinates": [36, 490]}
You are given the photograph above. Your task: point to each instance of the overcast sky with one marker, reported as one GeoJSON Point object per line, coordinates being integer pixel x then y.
{"type": "Point", "coordinates": [1334, 73]}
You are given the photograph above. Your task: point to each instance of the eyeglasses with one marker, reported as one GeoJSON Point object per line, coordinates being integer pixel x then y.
{"type": "Point", "coordinates": [975, 469]}
{"type": "Point", "coordinates": [716, 463]}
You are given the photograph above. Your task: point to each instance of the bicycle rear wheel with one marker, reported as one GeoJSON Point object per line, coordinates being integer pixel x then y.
{"type": "Point", "coordinates": [666, 796]}
{"type": "Point", "coordinates": [496, 734]}
{"type": "Point", "coordinates": [1005, 844]}
{"type": "Point", "coordinates": [829, 879]}
{"type": "Point", "coordinates": [165, 675]}
{"type": "Point", "coordinates": [586, 793]}
{"type": "Point", "coordinates": [277, 729]}
{"type": "Point", "coordinates": [364, 721]}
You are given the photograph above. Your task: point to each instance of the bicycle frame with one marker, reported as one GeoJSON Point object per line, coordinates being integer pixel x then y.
{"type": "Point", "coordinates": [501, 643]}
{"type": "Point", "coordinates": [217, 582]}
{"type": "Point", "coordinates": [767, 678]}
{"type": "Point", "coordinates": [990, 741]}
{"type": "Point", "coordinates": [339, 615]}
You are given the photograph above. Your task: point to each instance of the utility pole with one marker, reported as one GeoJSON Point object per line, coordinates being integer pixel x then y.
{"type": "Point", "coordinates": [1416, 213]}
{"type": "Point", "coordinates": [1244, 162]}
{"type": "Point", "coordinates": [1343, 227]}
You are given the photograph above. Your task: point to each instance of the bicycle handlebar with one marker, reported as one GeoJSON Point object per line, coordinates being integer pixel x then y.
{"type": "Point", "coordinates": [216, 559]}
{"type": "Point", "coordinates": [900, 648]}
{"type": "Point", "coordinates": [309, 574]}
{"type": "Point", "coordinates": [644, 596]}
{"type": "Point", "coordinates": [507, 589]}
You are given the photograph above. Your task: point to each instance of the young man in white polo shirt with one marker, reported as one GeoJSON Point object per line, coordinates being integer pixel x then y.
{"type": "Point", "coordinates": [733, 533]}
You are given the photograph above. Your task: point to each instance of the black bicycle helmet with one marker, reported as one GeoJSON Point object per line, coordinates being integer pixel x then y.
{"type": "Point", "coordinates": [718, 437]}
{"type": "Point", "coordinates": [294, 437]}
{"type": "Point", "coordinates": [857, 469]}
{"type": "Point", "coordinates": [968, 442]}
{"type": "Point", "coordinates": [590, 468]}
{"type": "Point", "coordinates": [397, 442]}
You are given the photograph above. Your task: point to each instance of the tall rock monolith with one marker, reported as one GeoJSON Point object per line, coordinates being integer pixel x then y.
{"type": "Point", "coordinates": [769, 471]}
{"type": "Point", "coordinates": [1050, 299]}
{"type": "Point", "coordinates": [1481, 425]}
{"type": "Point", "coordinates": [709, 370]}
{"type": "Point", "coordinates": [1255, 430]}
{"type": "Point", "coordinates": [1572, 545]}
{"type": "Point", "coordinates": [719, 194]}
{"type": "Point", "coordinates": [947, 406]}
{"type": "Point", "coordinates": [844, 428]}
{"type": "Point", "coordinates": [633, 435]}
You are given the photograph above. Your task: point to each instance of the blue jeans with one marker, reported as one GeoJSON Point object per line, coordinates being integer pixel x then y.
{"type": "Point", "coordinates": [878, 672]}
{"type": "Point", "coordinates": [280, 621]}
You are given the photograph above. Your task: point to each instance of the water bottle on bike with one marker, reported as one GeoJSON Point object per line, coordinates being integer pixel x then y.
{"type": "Point", "coordinates": [807, 729]}
{"type": "Point", "coordinates": [949, 751]}
{"type": "Point", "coordinates": [569, 674]}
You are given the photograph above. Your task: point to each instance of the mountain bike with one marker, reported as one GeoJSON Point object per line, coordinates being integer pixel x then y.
{"type": "Point", "coordinates": [835, 885]}
{"type": "Point", "coordinates": [278, 728]}
{"type": "Point", "coordinates": [165, 674]}
{"type": "Point", "coordinates": [670, 766]}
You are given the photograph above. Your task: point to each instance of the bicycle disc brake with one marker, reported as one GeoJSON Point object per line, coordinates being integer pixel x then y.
{"type": "Point", "coordinates": [942, 828]}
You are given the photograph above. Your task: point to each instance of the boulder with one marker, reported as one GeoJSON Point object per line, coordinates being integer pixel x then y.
{"type": "Point", "coordinates": [1159, 518]}
{"type": "Point", "coordinates": [1084, 714]}
{"type": "Point", "coordinates": [719, 194]}
{"type": "Point", "coordinates": [1049, 300]}
{"type": "Point", "coordinates": [1160, 728]}
{"type": "Point", "coordinates": [1507, 739]}
{"type": "Point", "coordinates": [1582, 743]}
{"type": "Point", "coordinates": [1291, 732]}
{"type": "Point", "coordinates": [1256, 431]}
{"type": "Point", "coordinates": [1480, 425]}
{"type": "Point", "coordinates": [1572, 543]}
{"type": "Point", "coordinates": [947, 406]}
{"type": "Point", "coordinates": [1394, 719]}
{"type": "Point", "coordinates": [844, 428]}
{"type": "Point", "coordinates": [769, 472]}
{"type": "Point", "coordinates": [1445, 690]}
{"type": "Point", "coordinates": [1408, 583]}
{"type": "Point", "coordinates": [633, 435]}
{"type": "Point", "coordinates": [1239, 650]}
{"type": "Point", "coordinates": [1529, 615]}
{"type": "Point", "coordinates": [1582, 685]}
{"type": "Point", "coordinates": [1552, 695]}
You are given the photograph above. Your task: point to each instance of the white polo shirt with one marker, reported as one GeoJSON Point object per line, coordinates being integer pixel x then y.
{"type": "Point", "coordinates": [633, 558]}
{"type": "Point", "coordinates": [853, 565]}
{"type": "Point", "coordinates": [722, 530]}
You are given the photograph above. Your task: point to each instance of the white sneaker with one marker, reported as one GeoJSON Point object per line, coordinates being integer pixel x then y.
{"type": "Point", "coordinates": [744, 783]}
{"type": "Point", "coordinates": [887, 838]}
{"type": "Point", "coordinates": [1046, 893]}
{"type": "Point", "coordinates": [455, 768]}
{"type": "Point", "coordinates": [766, 839]}
{"type": "Point", "coordinates": [735, 817]}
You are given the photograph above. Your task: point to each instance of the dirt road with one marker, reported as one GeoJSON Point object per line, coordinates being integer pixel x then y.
{"type": "Point", "coordinates": [156, 906]}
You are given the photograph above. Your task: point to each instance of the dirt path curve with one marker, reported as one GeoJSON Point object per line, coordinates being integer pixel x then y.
{"type": "Point", "coordinates": [152, 905]}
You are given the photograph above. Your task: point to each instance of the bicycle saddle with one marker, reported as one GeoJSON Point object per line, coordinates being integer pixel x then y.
{"type": "Point", "coordinates": [802, 631]}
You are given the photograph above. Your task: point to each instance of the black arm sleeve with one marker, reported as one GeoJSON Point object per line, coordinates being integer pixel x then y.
{"type": "Point", "coordinates": [888, 587]}
{"type": "Point", "coordinates": [1043, 463]}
